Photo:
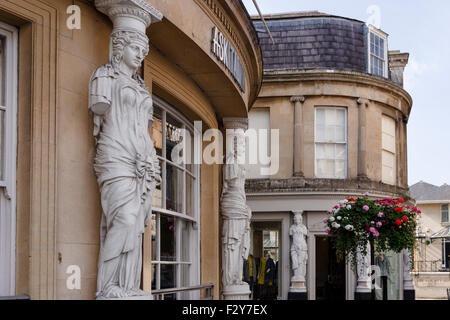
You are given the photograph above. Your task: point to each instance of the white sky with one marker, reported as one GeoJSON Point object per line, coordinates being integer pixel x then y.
{"type": "Point", "coordinates": [420, 27]}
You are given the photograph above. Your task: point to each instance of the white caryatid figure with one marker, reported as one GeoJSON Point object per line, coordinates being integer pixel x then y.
{"type": "Point", "coordinates": [236, 214]}
{"type": "Point", "coordinates": [299, 248]}
{"type": "Point", "coordinates": [408, 283]}
{"type": "Point", "coordinates": [236, 224]}
{"type": "Point", "coordinates": [126, 164]}
{"type": "Point", "coordinates": [363, 270]}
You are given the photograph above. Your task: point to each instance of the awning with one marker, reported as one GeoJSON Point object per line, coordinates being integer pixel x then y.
{"type": "Point", "coordinates": [444, 233]}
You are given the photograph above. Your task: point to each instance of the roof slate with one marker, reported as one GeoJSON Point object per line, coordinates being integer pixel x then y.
{"type": "Point", "coordinates": [426, 191]}
{"type": "Point", "coordinates": [313, 42]}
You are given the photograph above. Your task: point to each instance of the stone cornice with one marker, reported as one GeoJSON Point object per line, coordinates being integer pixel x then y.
{"type": "Point", "coordinates": [293, 185]}
{"type": "Point", "coordinates": [337, 75]}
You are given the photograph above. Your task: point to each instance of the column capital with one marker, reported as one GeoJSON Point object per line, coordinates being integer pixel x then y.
{"type": "Point", "coordinates": [235, 123]}
{"type": "Point", "coordinates": [295, 212]}
{"type": "Point", "coordinates": [362, 102]}
{"type": "Point", "coordinates": [300, 99]}
{"type": "Point", "coordinates": [129, 15]}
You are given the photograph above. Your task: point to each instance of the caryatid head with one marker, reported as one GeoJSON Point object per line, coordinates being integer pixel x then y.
{"type": "Point", "coordinates": [298, 217]}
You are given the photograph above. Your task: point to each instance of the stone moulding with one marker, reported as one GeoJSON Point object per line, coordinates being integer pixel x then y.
{"type": "Point", "coordinates": [42, 255]}
{"type": "Point", "coordinates": [337, 75]}
{"type": "Point", "coordinates": [299, 185]}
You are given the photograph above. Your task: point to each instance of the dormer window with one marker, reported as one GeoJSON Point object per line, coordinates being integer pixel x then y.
{"type": "Point", "coordinates": [378, 52]}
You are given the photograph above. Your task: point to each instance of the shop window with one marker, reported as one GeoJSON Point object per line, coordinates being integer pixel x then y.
{"type": "Point", "coordinates": [377, 52]}
{"type": "Point", "coordinates": [444, 213]}
{"type": "Point", "coordinates": [176, 204]}
{"type": "Point", "coordinates": [388, 160]}
{"type": "Point", "coordinates": [331, 143]}
{"type": "Point", "coordinates": [8, 154]}
{"type": "Point", "coordinates": [387, 275]}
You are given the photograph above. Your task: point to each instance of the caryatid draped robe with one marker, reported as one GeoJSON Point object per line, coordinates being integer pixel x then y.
{"type": "Point", "coordinates": [127, 170]}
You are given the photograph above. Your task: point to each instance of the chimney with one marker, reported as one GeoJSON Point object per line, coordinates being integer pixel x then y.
{"type": "Point", "coordinates": [397, 64]}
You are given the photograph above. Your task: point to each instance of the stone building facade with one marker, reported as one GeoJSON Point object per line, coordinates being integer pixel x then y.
{"type": "Point", "coordinates": [432, 256]}
{"type": "Point", "coordinates": [334, 93]}
{"type": "Point", "coordinates": [50, 200]}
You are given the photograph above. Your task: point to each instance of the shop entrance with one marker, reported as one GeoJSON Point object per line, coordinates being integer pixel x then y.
{"type": "Point", "coordinates": [264, 269]}
{"type": "Point", "coordinates": [330, 273]}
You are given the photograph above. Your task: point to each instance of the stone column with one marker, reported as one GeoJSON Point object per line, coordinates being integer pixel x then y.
{"type": "Point", "coordinates": [364, 281]}
{"type": "Point", "coordinates": [298, 135]}
{"type": "Point", "coordinates": [408, 284]}
{"type": "Point", "coordinates": [235, 213]}
{"type": "Point", "coordinates": [362, 138]}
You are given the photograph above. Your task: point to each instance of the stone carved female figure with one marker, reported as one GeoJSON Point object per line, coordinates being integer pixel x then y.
{"type": "Point", "coordinates": [236, 222]}
{"type": "Point", "coordinates": [126, 165]}
{"type": "Point", "coordinates": [299, 249]}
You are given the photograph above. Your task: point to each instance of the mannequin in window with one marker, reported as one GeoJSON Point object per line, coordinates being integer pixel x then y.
{"type": "Point", "coordinates": [250, 271]}
{"type": "Point", "coordinates": [384, 266]}
{"type": "Point", "coordinates": [269, 272]}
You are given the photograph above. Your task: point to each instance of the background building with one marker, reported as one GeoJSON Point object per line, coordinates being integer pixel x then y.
{"type": "Point", "coordinates": [432, 258]}
{"type": "Point", "coordinates": [50, 202]}
{"type": "Point", "coordinates": [334, 91]}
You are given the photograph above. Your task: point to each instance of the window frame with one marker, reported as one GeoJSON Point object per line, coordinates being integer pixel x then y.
{"type": "Point", "coordinates": [442, 213]}
{"type": "Point", "coordinates": [329, 142]}
{"type": "Point", "coordinates": [379, 33]}
{"type": "Point", "coordinates": [193, 221]}
{"type": "Point", "coordinates": [395, 169]}
{"type": "Point", "coordinates": [8, 163]}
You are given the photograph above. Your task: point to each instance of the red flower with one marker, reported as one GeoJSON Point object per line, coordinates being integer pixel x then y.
{"type": "Point", "coordinates": [398, 222]}
{"type": "Point", "coordinates": [419, 212]}
{"type": "Point", "coordinates": [400, 200]}
{"type": "Point", "coordinates": [399, 209]}
{"type": "Point", "coordinates": [405, 219]}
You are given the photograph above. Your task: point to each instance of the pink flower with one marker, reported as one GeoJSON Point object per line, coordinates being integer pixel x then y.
{"type": "Point", "coordinates": [408, 207]}
{"type": "Point", "coordinates": [366, 208]}
{"type": "Point", "coordinates": [366, 194]}
{"type": "Point", "coordinates": [336, 207]}
{"type": "Point", "coordinates": [379, 224]}
{"type": "Point", "coordinates": [372, 222]}
{"type": "Point", "coordinates": [329, 211]}
{"type": "Point", "coordinates": [372, 229]}
{"type": "Point", "coordinates": [325, 220]}
{"type": "Point", "coordinates": [381, 214]}
{"type": "Point", "coordinates": [376, 234]}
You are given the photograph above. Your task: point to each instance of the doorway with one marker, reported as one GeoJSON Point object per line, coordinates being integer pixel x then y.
{"type": "Point", "coordinates": [266, 266]}
{"type": "Point", "coordinates": [330, 272]}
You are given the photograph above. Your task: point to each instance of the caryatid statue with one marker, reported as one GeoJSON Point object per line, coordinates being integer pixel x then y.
{"type": "Point", "coordinates": [299, 248]}
{"type": "Point", "coordinates": [236, 217]}
{"type": "Point", "coordinates": [126, 164]}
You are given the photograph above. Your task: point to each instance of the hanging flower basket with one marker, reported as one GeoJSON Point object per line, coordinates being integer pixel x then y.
{"type": "Point", "coordinates": [388, 224]}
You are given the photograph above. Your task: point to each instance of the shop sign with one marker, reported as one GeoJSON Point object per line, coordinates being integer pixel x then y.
{"type": "Point", "coordinates": [226, 54]}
